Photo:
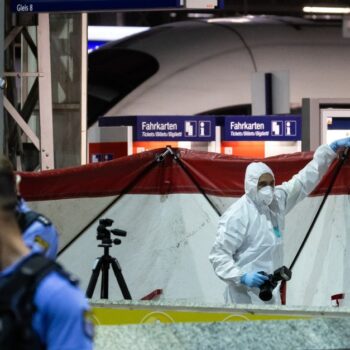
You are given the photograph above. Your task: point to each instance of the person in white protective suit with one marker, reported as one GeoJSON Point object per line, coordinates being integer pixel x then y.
{"type": "Point", "coordinates": [250, 232]}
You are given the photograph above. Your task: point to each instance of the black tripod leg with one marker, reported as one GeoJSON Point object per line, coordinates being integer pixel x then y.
{"type": "Point", "coordinates": [118, 274]}
{"type": "Point", "coordinates": [93, 279]}
{"type": "Point", "coordinates": [104, 282]}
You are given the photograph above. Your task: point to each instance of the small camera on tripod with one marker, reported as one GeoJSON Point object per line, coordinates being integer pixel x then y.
{"type": "Point", "coordinates": [281, 274]}
{"type": "Point", "coordinates": [104, 234]}
{"type": "Point", "coordinates": [104, 262]}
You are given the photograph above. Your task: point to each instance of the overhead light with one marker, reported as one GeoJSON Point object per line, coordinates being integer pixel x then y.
{"type": "Point", "coordinates": [106, 33]}
{"type": "Point", "coordinates": [2, 83]}
{"type": "Point", "coordinates": [329, 10]}
{"type": "Point", "coordinates": [200, 15]}
{"type": "Point", "coordinates": [320, 16]}
{"type": "Point", "coordinates": [231, 20]}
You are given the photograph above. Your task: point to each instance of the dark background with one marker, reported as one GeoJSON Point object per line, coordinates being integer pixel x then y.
{"type": "Point", "coordinates": [232, 8]}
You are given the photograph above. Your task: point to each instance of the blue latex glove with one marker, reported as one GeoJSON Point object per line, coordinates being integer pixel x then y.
{"type": "Point", "coordinates": [253, 279]}
{"type": "Point", "coordinates": [335, 145]}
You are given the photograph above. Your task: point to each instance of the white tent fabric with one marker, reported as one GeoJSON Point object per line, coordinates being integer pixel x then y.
{"type": "Point", "coordinates": [323, 268]}
{"type": "Point", "coordinates": [165, 248]}
{"type": "Point", "coordinates": [321, 271]}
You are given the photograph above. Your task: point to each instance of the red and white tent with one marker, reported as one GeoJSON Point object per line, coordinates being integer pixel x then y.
{"type": "Point", "coordinates": [170, 207]}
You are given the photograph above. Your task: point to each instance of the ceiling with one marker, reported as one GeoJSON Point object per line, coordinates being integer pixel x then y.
{"type": "Point", "coordinates": [232, 8]}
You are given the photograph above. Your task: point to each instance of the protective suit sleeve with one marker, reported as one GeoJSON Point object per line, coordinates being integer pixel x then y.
{"type": "Point", "coordinates": [230, 235]}
{"type": "Point", "coordinates": [308, 178]}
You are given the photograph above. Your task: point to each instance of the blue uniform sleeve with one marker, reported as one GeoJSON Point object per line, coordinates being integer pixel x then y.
{"type": "Point", "coordinates": [22, 206]}
{"type": "Point", "coordinates": [63, 318]}
{"type": "Point", "coordinates": [43, 237]}
{"type": "Point", "coordinates": [39, 236]}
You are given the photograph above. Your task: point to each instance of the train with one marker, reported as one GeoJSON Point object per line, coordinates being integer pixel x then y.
{"type": "Point", "coordinates": [205, 67]}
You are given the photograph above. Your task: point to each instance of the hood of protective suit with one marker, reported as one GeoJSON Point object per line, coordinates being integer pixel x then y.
{"type": "Point", "coordinates": [252, 175]}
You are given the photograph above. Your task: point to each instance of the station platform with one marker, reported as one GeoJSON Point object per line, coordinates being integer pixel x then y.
{"type": "Point", "coordinates": [187, 325]}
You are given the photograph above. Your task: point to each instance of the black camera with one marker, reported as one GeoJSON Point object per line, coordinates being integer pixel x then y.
{"type": "Point", "coordinates": [281, 274]}
{"type": "Point", "coordinates": [104, 234]}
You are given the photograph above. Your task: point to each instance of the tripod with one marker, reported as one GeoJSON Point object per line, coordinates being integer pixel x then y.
{"type": "Point", "coordinates": [103, 263]}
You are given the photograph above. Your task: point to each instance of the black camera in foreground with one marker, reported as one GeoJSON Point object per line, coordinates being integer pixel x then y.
{"type": "Point", "coordinates": [104, 234]}
{"type": "Point", "coordinates": [281, 274]}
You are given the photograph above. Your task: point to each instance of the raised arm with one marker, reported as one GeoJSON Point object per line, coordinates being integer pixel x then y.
{"type": "Point", "coordinates": [303, 183]}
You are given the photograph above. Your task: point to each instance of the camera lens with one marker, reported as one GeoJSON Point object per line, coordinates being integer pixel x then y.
{"type": "Point", "coordinates": [265, 294]}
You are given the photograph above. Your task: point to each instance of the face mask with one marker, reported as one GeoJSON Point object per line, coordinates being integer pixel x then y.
{"type": "Point", "coordinates": [265, 194]}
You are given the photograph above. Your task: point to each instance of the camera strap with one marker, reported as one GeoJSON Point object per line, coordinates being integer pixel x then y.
{"type": "Point", "coordinates": [341, 162]}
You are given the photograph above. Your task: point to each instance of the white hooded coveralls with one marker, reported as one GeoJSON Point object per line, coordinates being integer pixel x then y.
{"type": "Point", "coordinates": [250, 233]}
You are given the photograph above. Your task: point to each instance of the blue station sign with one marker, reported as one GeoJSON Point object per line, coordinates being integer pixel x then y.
{"type": "Point", "coordinates": [264, 128]}
{"type": "Point", "coordinates": [202, 128]}
{"type": "Point", "coordinates": [174, 128]}
{"type": "Point", "coordinates": [90, 5]}
{"type": "Point", "coordinates": [339, 123]}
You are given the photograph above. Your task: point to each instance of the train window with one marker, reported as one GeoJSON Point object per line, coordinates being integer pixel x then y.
{"type": "Point", "coordinates": [112, 74]}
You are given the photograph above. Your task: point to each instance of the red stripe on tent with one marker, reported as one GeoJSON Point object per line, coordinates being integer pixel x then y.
{"type": "Point", "coordinates": [224, 175]}
{"type": "Point", "coordinates": [153, 295]}
{"type": "Point", "coordinates": [216, 174]}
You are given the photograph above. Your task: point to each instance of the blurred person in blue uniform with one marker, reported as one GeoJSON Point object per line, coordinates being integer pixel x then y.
{"type": "Point", "coordinates": [37, 230]}
{"type": "Point", "coordinates": [40, 304]}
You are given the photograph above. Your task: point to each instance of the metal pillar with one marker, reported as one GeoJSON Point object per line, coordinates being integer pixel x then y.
{"type": "Point", "coordinates": [45, 93]}
{"type": "Point", "coordinates": [41, 87]}
{"type": "Point", "coordinates": [21, 123]}
{"type": "Point", "coordinates": [270, 93]}
{"type": "Point", "coordinates": [61, 41]}
{"type": "Point", "coordinates": [67, 83]}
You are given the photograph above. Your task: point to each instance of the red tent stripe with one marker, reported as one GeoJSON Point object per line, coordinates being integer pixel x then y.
{"type": "Point", "coordinates": [216, 174]}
